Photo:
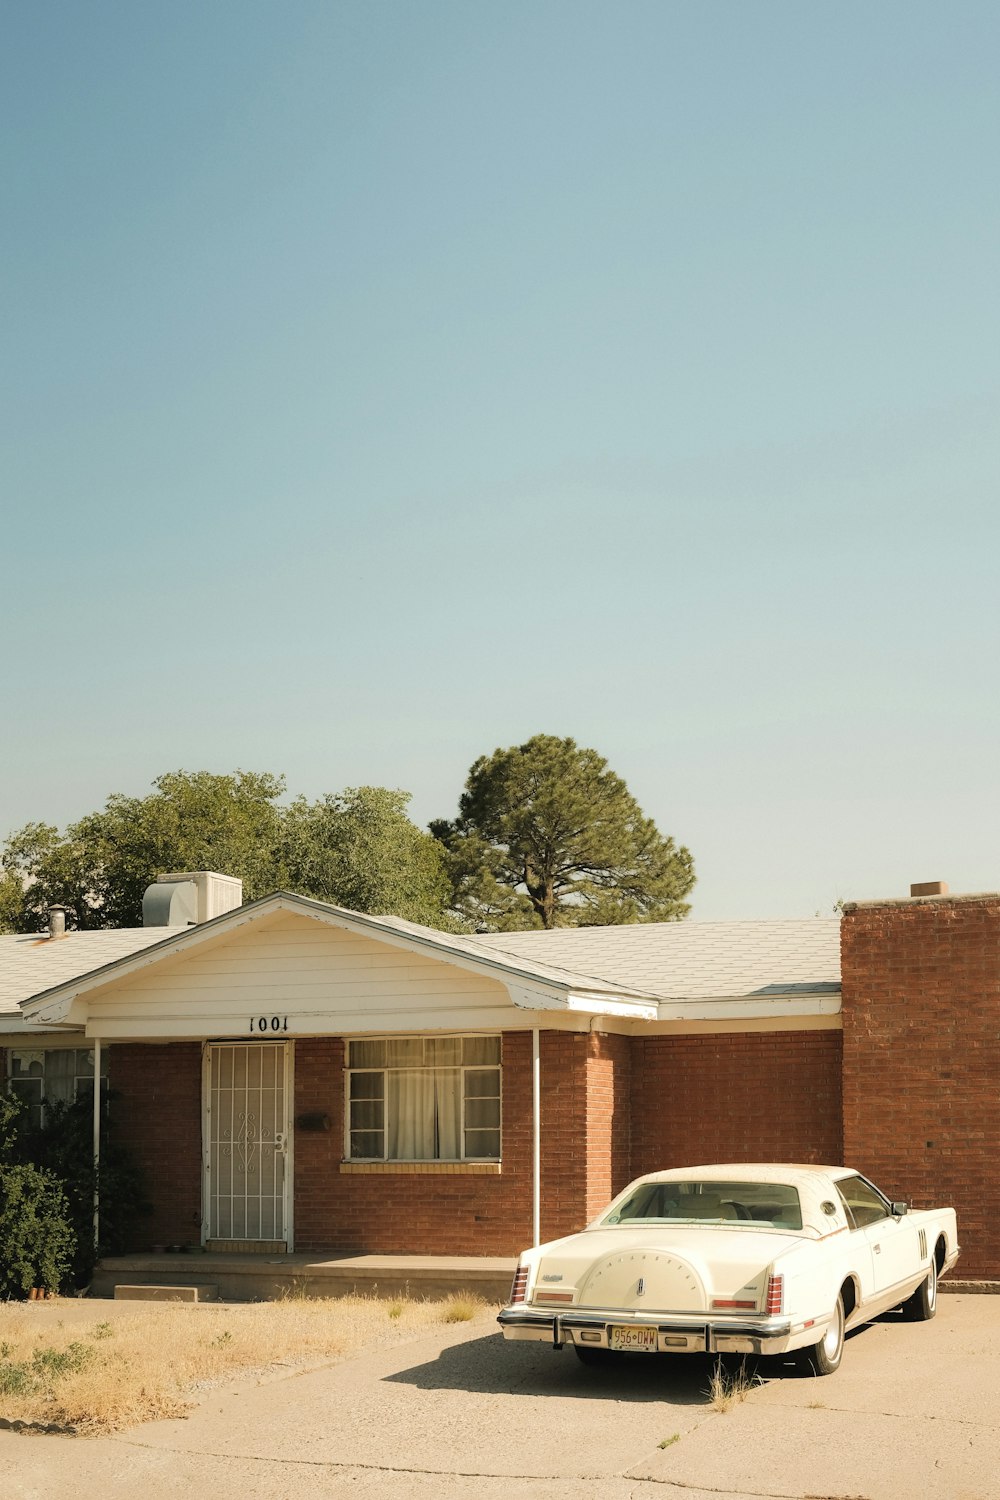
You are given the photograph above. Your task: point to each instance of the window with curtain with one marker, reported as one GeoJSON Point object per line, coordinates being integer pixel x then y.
{"type": "Point", "coordinates": [424, 1099]}
{"type": "Point", "coordinates": [54, 1075]}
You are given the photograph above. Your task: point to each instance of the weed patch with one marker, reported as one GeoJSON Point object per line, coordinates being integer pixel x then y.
{"type": "Point", "coordinates": [41, 1373]}
{"type": "Point", "coordinates": [727, 1388]}
{"type": "Point", "coordinates": [460, 1309]}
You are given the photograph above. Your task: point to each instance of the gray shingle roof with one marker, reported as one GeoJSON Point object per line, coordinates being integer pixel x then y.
{"type": "Point", "coordinates": [662, 960]}
{"type": "Point", "coordinates": [537, 962]}
{"type": "Point", "coordinates": [32, 963]}
{"type": "Point", "coordinates": [693, 960]}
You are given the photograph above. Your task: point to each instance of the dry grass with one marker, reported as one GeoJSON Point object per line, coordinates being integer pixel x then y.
{"type": "Point", "coordinates": [99, 1375]}
{"type": "Point", "coordinates": [727, 1388]}
{"type": "Point", "coordinates": [460, 1309]}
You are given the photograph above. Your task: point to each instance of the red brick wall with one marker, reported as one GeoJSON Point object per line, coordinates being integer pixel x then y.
{"type": "Point", "coordinates": [609, 1119]}
{"type": "Point", "coordinates": [621, 1105]}
{"type": "Point", "coordinates": [751, 1096]}
{"type": "Point", "coordinates": [564, 1058]}
{"type": "Point", "coordinates": [921, 997]}
{"type": "Point", "coordinates": [441, 1214]}
{"type": "Point", "coordinates": [399, 1213]}
{"type": "Point", "coordinates": [584, 1106]}
{"type": "Point", "coordinates": [157, 1116]}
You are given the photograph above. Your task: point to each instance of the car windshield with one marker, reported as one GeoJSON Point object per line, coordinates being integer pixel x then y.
{"type": "Point", "coordinates": [696, 1202]}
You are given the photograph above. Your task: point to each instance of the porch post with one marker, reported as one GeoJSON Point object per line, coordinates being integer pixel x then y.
{"type": "Point", "coordinates": [97, 1138]}
{"type": "Point", "coordinates": [536, 1140]}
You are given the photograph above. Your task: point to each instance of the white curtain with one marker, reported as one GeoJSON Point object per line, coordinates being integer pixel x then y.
{"type": "Point", "coordinates": [60, 1074]}
{"type": "Point", "coordinates": [425, 1114]}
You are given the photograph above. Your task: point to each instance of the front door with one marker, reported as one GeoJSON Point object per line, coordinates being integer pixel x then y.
{"type": "Point", "coordinates": [247, 1097]}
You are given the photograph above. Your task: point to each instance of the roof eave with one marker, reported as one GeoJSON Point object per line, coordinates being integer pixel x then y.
{"type": "Point", "coordinates": [749, 1007]}
{"type": "Point", "coordinates": [631, 1007]}
{"type": "Point", "coordinates": [14, 1025]}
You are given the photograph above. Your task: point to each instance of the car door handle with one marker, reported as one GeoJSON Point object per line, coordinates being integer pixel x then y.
{"type": "Point", "coordinates": [876, 1249]}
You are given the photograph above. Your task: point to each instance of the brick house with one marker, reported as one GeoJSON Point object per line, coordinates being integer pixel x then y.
{"type": "Point", "coordinates": [294, 1075]}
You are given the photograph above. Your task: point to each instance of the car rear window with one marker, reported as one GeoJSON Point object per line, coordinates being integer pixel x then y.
{"type": "Point", "coordinates": [697, 1202]}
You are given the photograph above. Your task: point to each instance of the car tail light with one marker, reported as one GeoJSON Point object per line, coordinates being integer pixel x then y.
{"type": "Point", "coordinates": [519, 1285]}
{"type": "Point", "coordinates": [775, 1299]}
{"type": "Point", "coordinates": [730, 1303]}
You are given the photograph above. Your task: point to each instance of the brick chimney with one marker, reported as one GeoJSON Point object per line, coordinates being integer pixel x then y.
{"type": "Point", "coordinates": [920, 983]}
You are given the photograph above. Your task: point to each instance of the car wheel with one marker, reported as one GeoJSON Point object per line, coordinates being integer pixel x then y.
{"type": "Point", "coordinates": [921, 1305]}
{"type": "Point", "coordinates": [823, 1358]}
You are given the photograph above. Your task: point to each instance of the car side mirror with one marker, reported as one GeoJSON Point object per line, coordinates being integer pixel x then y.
{"type": "Point", "coordinates": [899, 1209]}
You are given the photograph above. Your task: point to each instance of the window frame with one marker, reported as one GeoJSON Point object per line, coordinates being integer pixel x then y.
{"type": "Point", "coordinates": [460, 1068]}
{"type": "Point", "coordinates": [698, 1189]}
{"type": "Point", "coordinates": [79, 1078]}
{"type": "Point", "coordinates": [853, 1224]}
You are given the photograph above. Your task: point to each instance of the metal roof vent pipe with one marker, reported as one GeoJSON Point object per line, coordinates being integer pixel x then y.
{"type": "Point", "coordinates": [57, 921]}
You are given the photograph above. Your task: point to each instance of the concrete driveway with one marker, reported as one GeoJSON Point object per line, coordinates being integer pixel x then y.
{"type": "Point", "coordinates": [913, 1412]}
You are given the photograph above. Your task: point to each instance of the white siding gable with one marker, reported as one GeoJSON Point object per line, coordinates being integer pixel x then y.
{"type": "Point", "coordinates": [318, 978]}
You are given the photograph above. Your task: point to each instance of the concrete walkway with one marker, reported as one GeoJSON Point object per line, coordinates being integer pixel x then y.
{"type": "Point", "coordinates": [913, 1414]}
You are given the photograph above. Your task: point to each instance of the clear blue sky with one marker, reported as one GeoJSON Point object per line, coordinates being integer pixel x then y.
{"type": "Point", "coordinates": [387, 382]}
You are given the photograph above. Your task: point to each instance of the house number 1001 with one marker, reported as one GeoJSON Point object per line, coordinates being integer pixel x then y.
{"type": "Point", "coordinates": [268, 1023]}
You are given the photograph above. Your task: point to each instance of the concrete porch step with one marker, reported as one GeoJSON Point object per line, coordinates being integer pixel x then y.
{"type": "Point", "coordinates": [199, 1291]}
{"type": "Point", "coordinates": [252, 1278]}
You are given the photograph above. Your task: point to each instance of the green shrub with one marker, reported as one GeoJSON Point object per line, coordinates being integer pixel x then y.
{"type": "Point", "coordinates": [36, 1237]}
{"type": "Point", "coordinates": [11, 1117]}
{"type": "Point", "coordinates": [65, 1146]}
{"type": "Point", "coordinates": [62, 1147]}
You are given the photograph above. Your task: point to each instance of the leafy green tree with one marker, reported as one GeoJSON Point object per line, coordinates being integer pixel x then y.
{"type": "Point", "coordinates": [11, 899]}
{"type": "Point", "coordinates": [101, 866]}
{"type": "Point", "coordinates": [360, 850]}
{"type": "Point", "coordinates": [548, 836]}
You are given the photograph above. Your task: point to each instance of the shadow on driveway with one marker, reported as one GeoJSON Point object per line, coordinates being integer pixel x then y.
{"type": "Point", "coordinates": [491, 1366]}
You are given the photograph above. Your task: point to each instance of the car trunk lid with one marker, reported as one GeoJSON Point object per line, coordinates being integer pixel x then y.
{"type": "Point", "coordinates": [679, 1268]}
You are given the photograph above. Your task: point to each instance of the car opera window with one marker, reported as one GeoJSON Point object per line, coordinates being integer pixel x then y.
{"type": "Point", "coordinates": [54, 1075]}
{"type": "Point", "coordinates": [700, 1202]}
{"type": "Point", "coordinates": [863, 1203]}
{"type": "Point", "coordinates": [424, 1099]}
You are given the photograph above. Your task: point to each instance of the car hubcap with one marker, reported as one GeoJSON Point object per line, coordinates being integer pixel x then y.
{"type": "Point", "coordinates": [932, 1286]}
{"type": "Point", "coordinates": [834, 1334]}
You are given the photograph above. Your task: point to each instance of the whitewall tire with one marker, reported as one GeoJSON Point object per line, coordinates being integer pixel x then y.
{"type": "Point", "coordinates": [921, 1305]}
{"type": "Point", "coordinates": [825, 1357]}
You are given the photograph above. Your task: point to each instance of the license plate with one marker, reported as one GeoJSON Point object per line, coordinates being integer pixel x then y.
{"type": "Point", "coordinates": [634, 1340]}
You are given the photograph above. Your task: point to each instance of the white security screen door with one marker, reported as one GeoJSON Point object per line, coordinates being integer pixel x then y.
{"type": "Point", "coordinates": [246, 1138]}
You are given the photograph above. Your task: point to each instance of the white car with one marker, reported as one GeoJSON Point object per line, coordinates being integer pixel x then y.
{"type": "Point", "coordinates": [733, 1259]}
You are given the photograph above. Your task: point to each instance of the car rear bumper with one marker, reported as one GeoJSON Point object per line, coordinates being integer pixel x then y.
{"type": "Point", "coordinates": [674, 1335]}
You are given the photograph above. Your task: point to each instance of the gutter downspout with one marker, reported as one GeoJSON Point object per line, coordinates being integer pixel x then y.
{"type": "Point", "coordinates": [536, 1141]}
{"type": "Point", "coordinates": [97, 1138]}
